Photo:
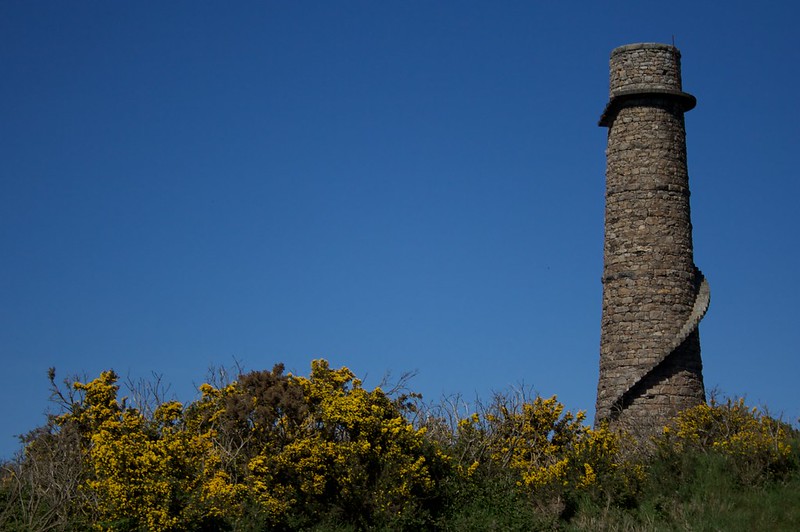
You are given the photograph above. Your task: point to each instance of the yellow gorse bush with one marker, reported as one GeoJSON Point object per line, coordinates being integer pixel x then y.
{"type": "Point", "coordinates": [274, 443]}
{"type": "Point", "coordinates": [548, 451]}
{"type": "Point", "coordinates": [537, 441]}
{"type": "Point", "coordinates": [756, 443]}
{"type": "Point", "coordinates": [138, 467]}
{"type": "Point", "coordinates": [354, 443]}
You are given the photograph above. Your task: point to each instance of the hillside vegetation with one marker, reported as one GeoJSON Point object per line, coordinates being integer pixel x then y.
{"type": "Point", "coordinates": [275, 451]}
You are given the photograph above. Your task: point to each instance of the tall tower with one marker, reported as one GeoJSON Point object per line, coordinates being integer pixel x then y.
{"type": "Point", "coordinates": [653, 294]}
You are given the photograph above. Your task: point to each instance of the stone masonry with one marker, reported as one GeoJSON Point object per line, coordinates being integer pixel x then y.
{"type": "Point", "coordinates": [653, 295]}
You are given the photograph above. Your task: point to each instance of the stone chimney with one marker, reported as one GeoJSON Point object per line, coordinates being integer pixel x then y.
{"type": "Point", "coordinates": [653, 294]}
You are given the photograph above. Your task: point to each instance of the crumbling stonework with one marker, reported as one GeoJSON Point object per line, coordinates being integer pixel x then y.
{"type": "Point", "coordinates": [653, 295]}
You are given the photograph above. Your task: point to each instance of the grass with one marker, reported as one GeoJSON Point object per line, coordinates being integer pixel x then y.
{"type": "Point", "coordinates": [703, 494]}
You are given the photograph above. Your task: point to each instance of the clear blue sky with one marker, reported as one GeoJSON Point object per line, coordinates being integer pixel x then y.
{"type": "Point", "coordinates": [392, 186]}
